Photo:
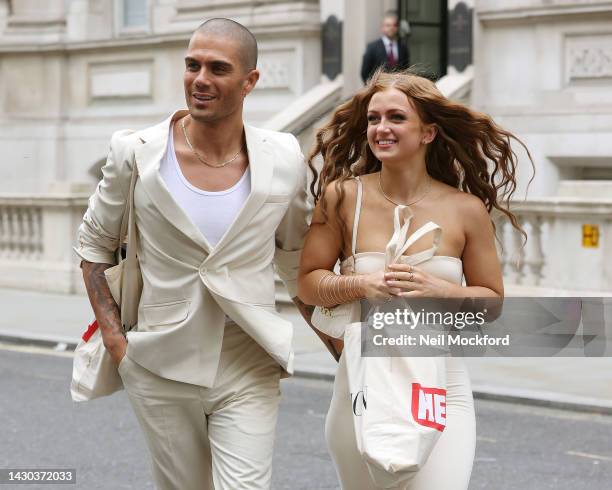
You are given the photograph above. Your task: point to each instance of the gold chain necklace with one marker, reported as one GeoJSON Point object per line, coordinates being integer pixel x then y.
{"type": "Point", "coordinates": [397, 203]}
{"type": "Point", "coordinates": [219, 165]}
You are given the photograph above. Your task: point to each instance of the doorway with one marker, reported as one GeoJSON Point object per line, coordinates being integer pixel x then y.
{"type": "Point", "coordinates": [428, 34]}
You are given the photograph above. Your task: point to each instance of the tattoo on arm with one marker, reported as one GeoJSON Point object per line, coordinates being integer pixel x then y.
{"type": "Point", "coordinates": [106, 310]}
{"type": "Point", "coordinates": [305, 310]}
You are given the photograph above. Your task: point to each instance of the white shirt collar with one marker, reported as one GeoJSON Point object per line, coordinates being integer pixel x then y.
{"type": "Point", "coordinates": [388, 42]}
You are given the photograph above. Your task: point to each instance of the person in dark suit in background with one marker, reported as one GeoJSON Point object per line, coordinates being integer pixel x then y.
{"type": "Point", "coordinates": [387, 50]}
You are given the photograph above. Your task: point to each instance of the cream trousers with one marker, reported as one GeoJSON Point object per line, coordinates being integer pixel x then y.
{"type": "Point", "coordinates": [210, 438]}
{"type": "Point", "coordinates": [449, 465]}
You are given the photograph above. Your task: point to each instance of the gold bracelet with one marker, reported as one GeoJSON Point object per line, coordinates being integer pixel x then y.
{"type": "Point", "coordinates": [334, 289]}
{"type": "Point", "coordinates": [319, 294]}
{"type": "Point", "coordinates": [328, 296]}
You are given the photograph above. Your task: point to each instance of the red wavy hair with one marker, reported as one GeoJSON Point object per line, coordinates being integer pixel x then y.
{"type": "Point", "coordinates": [470, 151]}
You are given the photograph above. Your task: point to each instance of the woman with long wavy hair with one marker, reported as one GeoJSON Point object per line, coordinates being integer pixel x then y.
{"type": "Point", "coordinates": [400, 142]}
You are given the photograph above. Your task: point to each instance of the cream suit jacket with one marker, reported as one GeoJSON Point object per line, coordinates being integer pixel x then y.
{"type": "Point", "coordinates": [188, 285]}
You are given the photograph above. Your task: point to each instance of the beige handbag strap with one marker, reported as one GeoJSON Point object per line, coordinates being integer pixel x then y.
{"type": "Point", "coordinates": [132, 237]}
{"type": "Point", "coordinates": [125, 219]}
{"type": "Point", "coordinates": [130, 280]}
{"type": "Point", "coordinates": [357, 215]}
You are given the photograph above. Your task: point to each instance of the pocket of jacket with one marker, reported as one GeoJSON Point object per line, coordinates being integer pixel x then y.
{"type": "Point", "coordinates": [160, 316]}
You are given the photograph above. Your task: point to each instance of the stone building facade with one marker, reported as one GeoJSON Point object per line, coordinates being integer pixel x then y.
{"type": "Point", "coordinates": [74, 71]}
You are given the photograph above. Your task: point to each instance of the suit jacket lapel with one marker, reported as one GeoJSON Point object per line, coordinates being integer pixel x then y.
{"type": "Point", "coordinates": [261, 163]}
{"type": "Point", "coordinates": [148, 158]}
{"type": "Point", "coordinates": [382, 51]}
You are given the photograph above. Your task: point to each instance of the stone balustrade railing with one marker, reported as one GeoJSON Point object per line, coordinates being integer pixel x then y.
{"type": "Point", "coordinates": [21, 232]}
{"type": "Point", "coordinates": [37, 234]}
{"type": "Point", "coordinates": [36, 238]}
{"type": "Point", "coordinates": [555, 254]}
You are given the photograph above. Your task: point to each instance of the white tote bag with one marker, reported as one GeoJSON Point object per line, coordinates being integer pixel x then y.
{"type": "Point", "coordinates": [94, 374]}
{"type": "Point", "coordinates": [399, 409]}
{"type": "Point", "coordinates": [399, 403]}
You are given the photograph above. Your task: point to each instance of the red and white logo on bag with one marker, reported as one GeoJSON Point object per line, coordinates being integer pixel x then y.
{"type": "Point", "coordinates": [429, 406]}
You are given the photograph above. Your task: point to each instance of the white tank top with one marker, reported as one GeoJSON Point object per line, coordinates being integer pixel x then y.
{"type": "Point", "coordinates": [211, 212]}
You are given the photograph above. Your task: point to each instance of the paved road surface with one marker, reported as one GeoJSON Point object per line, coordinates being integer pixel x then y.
{"type": "Point", "coordinates": [519, 447]}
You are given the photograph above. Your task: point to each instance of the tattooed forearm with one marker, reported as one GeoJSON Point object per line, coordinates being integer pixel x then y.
{"type": "Point", "coordinates": [104, 306]}
{"type": "Point", "coordinates": [305, 310]}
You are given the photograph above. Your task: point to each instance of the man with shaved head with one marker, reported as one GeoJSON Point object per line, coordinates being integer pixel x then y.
{"type": "Point", "coordinates": [228, 29]}
{"type": "Point", "coordinates": [217, 203]}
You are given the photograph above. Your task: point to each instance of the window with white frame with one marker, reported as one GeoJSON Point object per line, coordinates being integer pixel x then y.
{"type": "Point", "coordinates": [133, 14]}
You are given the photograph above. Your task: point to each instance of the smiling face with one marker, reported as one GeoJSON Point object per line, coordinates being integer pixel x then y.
{"type": "Point", "coordinates": [395, 130]}
{"type": "Point", "coordinates": [215, 80]}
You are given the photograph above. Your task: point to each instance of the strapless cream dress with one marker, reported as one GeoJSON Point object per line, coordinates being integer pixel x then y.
{"type": "Point", "coordinates": [449, 466]}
